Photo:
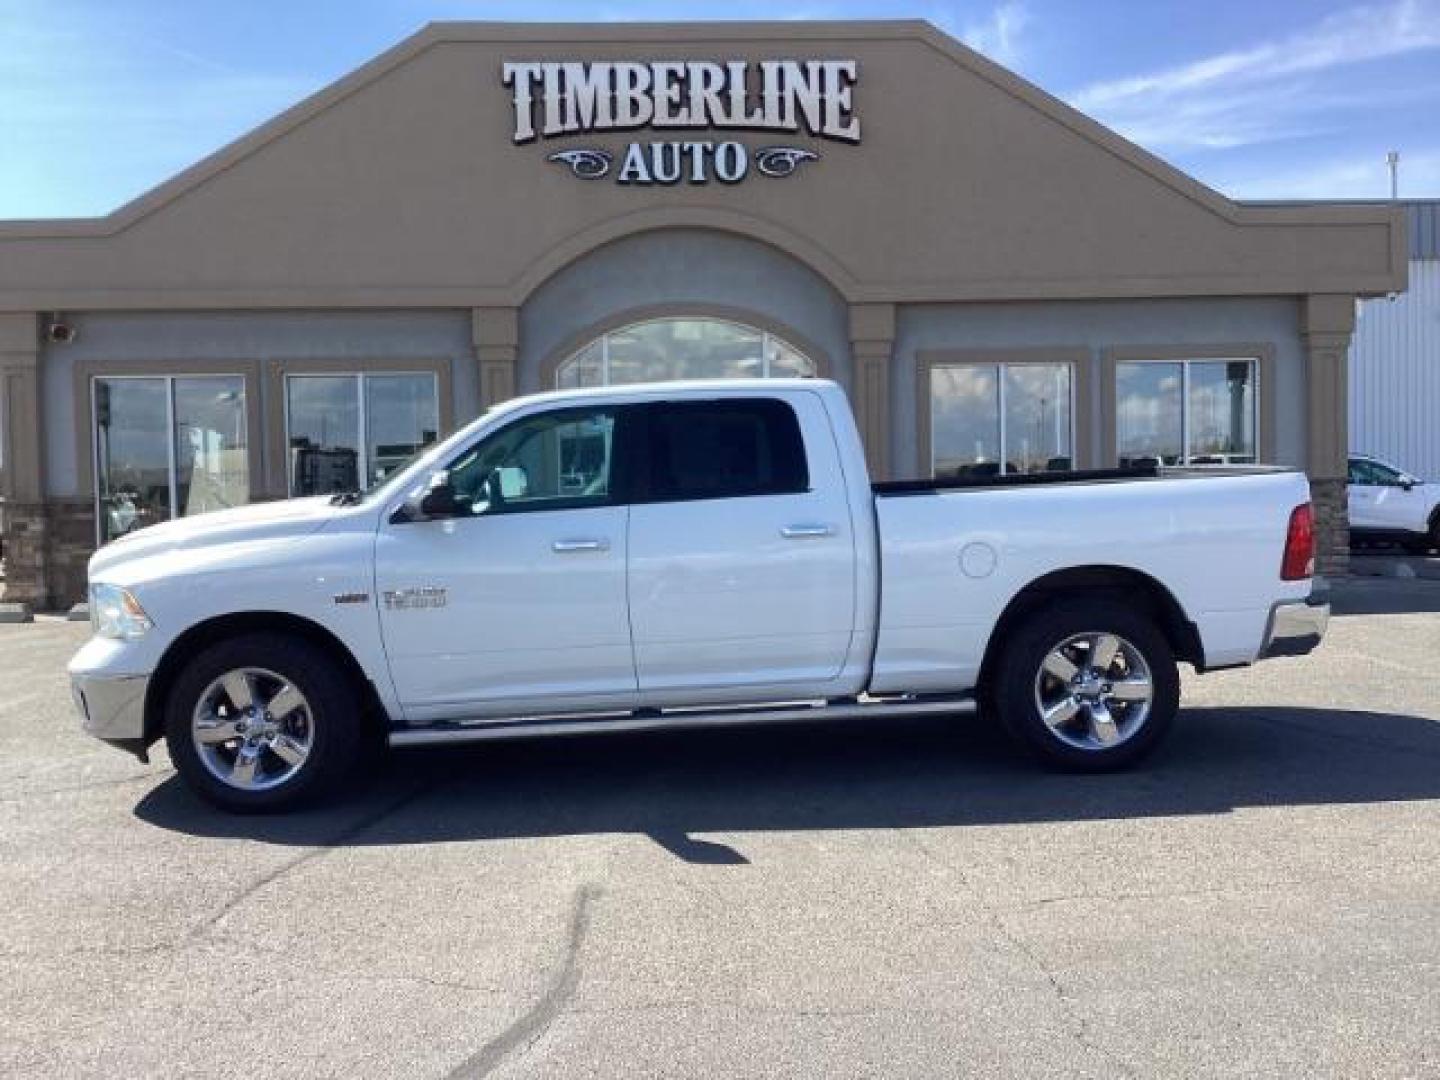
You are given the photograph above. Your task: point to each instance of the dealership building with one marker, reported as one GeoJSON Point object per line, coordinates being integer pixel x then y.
{"type": "Point", "coordinates": [999, 283]}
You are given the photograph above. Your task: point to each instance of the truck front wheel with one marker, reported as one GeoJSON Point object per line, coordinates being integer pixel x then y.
{"type": "Point", "coordinates": [259, 723]}
{"type": "Point", "coordinates": [1087, 685]}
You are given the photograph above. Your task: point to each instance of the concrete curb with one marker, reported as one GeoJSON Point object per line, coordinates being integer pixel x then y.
{"type": "Point", "coordinates": [16, 613]}
{"type": "Point", "coordinates": [78, 613]}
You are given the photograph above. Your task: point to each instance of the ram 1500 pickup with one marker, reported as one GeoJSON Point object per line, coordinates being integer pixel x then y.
{"type": "Point", "coordinates": [680, 555]}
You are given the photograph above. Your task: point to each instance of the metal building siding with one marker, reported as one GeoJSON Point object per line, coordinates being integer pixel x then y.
{"type": "Point", "coordinates": [1395, 366]}
{"type": "Point", "coordinates": [1424, 220]}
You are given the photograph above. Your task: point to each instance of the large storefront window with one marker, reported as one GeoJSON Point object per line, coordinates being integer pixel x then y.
{"type": "Point", "coordinates": [665, 349]}
{"type": "Point", "coordinates": [993, 419]}
{"type": "Point", "coordinates": [342, 428]}
{"type": "Point", "coordinates": [168, 447]}
{"type": "Point", "coordinates": [1176, 412]}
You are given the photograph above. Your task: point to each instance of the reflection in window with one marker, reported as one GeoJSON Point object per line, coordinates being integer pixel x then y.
{"type": "Point", "coordinates": [725, 449]}
{"type": "Point", "coordinates": [168, 447]}
{"type": "Point", "coordinates": [994, 419]}
{"type": "Point", "coordinates": [1199, 412]}
{"type": "Point", "coordinates": [558, 460]}
{"type": "Point", "coordinates": [1374, 474]}
{"type": "Point", "coordinates": [323, 432]}
{"type": "Point", "coordinates": [212, 457]}
{"type": "Point", "coordinates": [401, 418]}
{"type": "Point", "coordinates": [667, 349]}
{"type": "Point", "coordinates": [334, 443]}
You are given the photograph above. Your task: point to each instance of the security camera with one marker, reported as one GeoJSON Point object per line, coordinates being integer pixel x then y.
{"type": "Point", "coordinates": [60, 333]}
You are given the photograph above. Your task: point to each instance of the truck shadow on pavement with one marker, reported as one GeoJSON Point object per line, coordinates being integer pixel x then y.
{"type": "Point", "coordinates": [897, 774]}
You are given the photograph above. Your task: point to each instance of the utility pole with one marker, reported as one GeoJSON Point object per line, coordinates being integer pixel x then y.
{"type": "Point", "coordinates": [1393, 160]}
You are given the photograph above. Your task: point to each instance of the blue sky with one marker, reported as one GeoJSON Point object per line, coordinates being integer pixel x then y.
{"type": "Point", "coordinates": [102, 99]}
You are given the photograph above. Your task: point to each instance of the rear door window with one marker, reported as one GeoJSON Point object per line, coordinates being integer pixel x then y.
{"type": "Point", "coordinates": [724, 449]}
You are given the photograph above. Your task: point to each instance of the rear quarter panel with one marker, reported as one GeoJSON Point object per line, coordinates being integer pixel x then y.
{"type": "Point", "coordinates": [952, 561]}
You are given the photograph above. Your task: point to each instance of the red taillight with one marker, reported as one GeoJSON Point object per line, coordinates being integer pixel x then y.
{"type": "Point", "coordinates": [1299, 561]}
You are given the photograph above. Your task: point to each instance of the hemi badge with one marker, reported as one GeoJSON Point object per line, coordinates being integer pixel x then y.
{"type": "Point", "coordinates": [352, 598]}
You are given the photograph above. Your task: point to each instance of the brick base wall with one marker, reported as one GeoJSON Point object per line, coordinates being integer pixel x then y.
{"type": "Point", "coordinates": [27, 548]}
{"type": "Point", "coordinates": [1332, 527]}
{"type": "Point", "coordinates": [72, 542]}
{"type": "Point", "coordinates": [46, 548]}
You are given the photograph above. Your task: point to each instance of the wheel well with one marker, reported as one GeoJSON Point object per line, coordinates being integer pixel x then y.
{"type": "Point", "coordinates": [203, 635]}
{"type": "Point", "coordinates": [1129, 586]}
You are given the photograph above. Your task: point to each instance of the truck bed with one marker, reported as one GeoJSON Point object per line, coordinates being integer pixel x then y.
{"type": "Point", "coordinates": [1074, 476]}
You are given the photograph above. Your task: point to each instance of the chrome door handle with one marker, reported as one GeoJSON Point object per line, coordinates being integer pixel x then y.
{"type": "Point", "coordinates": [569, 547]}
{"type": "Point", "coordinates": [802, 532]}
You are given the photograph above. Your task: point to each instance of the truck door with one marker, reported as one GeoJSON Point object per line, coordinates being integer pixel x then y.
{"type": "Point", "coordinates": [517, 602]}
{"type": "Point", "coordinates": [742, 552]}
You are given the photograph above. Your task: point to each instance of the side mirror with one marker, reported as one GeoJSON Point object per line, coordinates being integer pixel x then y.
{"type": "Point", "coordinates": [436, 500]}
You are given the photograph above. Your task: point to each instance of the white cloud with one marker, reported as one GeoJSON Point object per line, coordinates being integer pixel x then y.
{"type": "Point", "coordinates": [1345, 178]}
{"type": "Point", "coordinates": [998, 36]}
{"type": "Point", "coordinates": [1346, 37]}
{"type": "Point", "coordinates": [1261, 93]}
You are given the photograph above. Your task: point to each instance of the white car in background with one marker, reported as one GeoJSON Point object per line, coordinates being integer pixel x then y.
{"type": "Point", "coordinates": [1387, 503]}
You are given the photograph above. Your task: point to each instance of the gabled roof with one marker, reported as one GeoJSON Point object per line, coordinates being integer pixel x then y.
{"type": "Point", "coordinates": [100, 262]}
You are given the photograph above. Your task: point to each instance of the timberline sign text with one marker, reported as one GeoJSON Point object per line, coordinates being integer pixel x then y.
{"type": "Point", "coordinates": [554, 99]}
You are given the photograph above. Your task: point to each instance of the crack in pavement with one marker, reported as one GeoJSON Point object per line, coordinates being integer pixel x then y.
{"type": "Point", "coordinates": [345, 835]}
{"type": "Point", "coordinates": [202, 929]}
{"type": "Point", "coordinates": [93, 785]}
{"type": "Point", "coordinates": [527, 1029]}
{"type": "Point", "coordinates": [1160, 894]}
{"type": "Point", "coordinates": [1079, 1027]}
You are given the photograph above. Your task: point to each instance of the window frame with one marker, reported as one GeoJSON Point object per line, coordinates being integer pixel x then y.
{"type": "Point", "coordinates": [359, 375]}
{"type": "Point", "coordinates": [1077, 358]}
{"type": "Point", "coordinates": [92, 377]}
{"type": "Point", "coordinates": [1187, 452]}
{"type": "Point", "coordinates": [273, 374]}
{"type": "Point", "coordinates": [1261, 353]}
{"type": "Point", "coordinates": [602, 337]}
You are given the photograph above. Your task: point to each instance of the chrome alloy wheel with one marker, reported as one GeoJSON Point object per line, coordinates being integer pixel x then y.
{"type": "Point", "coordinates": [1094, 690]}
{"type": "Point", "coordinates": [253, 729]}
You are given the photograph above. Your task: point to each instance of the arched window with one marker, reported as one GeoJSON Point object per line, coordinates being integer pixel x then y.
{"type": "Point", "coordinates": [659, 350]}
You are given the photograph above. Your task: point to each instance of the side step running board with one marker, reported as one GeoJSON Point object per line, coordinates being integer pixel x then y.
{"type": "Point", "coordinates": [483, 731]}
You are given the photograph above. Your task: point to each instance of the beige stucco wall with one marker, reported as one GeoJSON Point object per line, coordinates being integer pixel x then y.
{"type": "Point", "coordinates": [400, 186]}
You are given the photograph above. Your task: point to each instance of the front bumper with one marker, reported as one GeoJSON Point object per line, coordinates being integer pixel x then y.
{"type": "Point", "coordinates": [1296, 627]}
{"type": "Point", "coordinates": [111, 707]}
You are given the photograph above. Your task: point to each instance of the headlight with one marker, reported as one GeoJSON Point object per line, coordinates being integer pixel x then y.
{"type": "Point", "coordinates": [114, 613]}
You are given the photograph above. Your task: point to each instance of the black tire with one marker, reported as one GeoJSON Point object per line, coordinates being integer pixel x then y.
{"type": "Point", "coordinates": [331, 714]}
{"type": "Point", "coordinates": [1018, 687]}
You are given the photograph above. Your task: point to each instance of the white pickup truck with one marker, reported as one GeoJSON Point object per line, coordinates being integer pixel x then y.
{"type": "Point", "coordinates": [678, 555]}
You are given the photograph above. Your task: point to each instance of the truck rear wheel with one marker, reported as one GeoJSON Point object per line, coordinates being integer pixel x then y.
{"type": "Point", "coordinates": [1087, 685]}
{"type": "Point", "coordinates": [259, 723]}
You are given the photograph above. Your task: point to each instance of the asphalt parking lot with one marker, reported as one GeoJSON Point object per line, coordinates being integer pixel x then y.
{"type": "Point", "coordinates": [899, 899]}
